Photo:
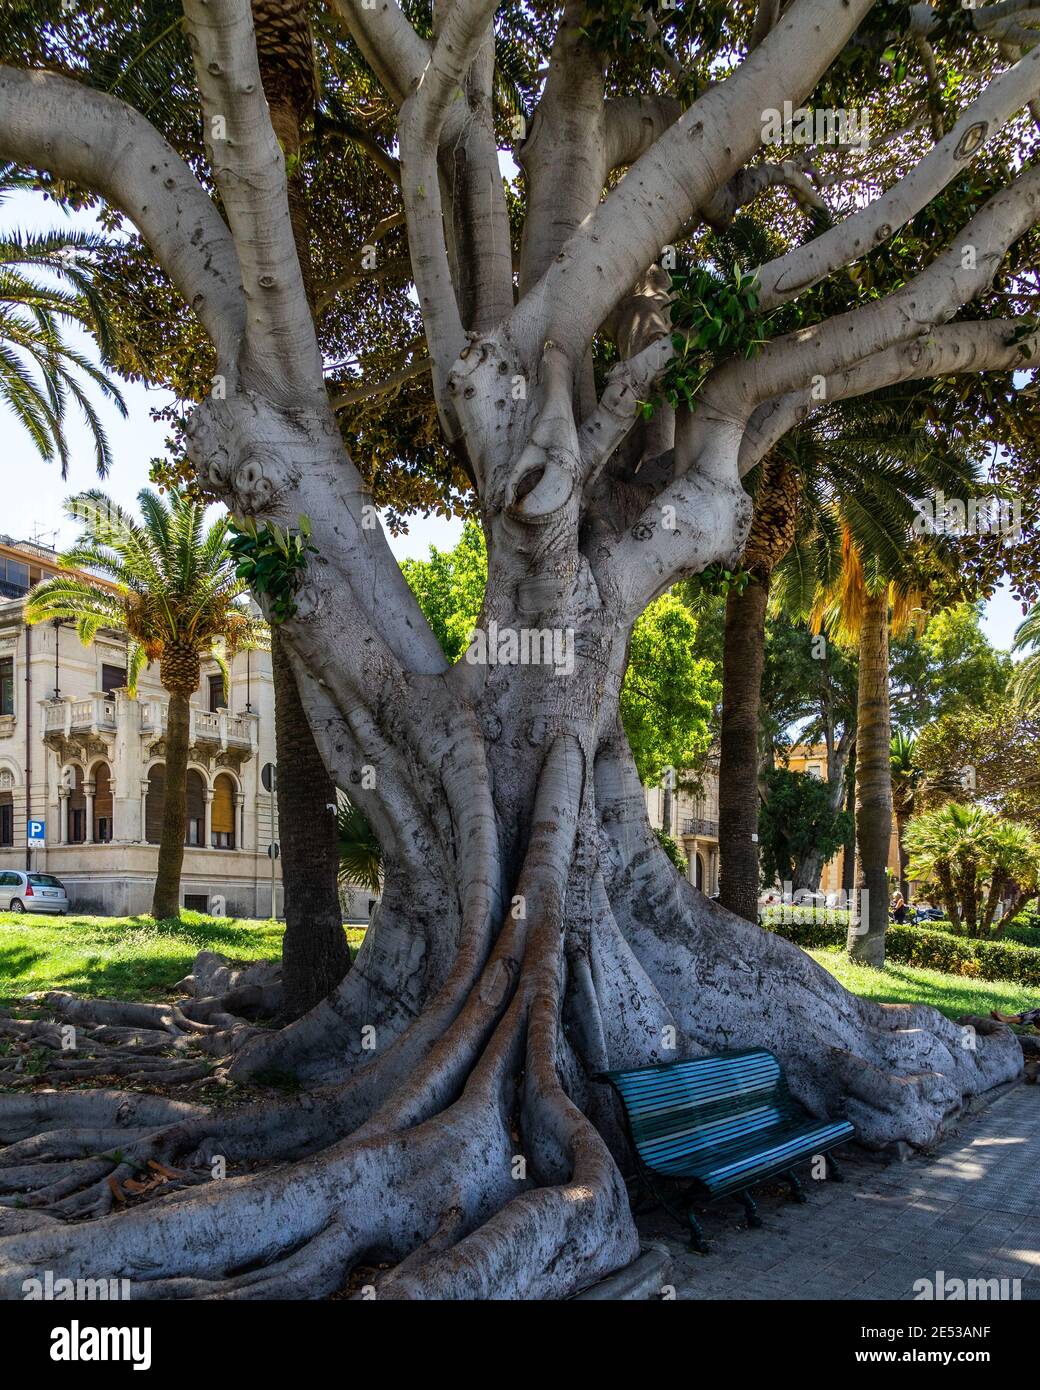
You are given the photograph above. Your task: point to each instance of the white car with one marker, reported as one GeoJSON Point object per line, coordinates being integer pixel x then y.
{"type": "Point", "coordinates": [27, 892]}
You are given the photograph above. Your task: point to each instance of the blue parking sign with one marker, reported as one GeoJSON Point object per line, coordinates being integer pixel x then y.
{"type": "Point", "coordinates": [37, 834]}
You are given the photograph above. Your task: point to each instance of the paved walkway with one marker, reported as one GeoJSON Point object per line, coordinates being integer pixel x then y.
{"type": "Point", "coordinates": [970, 1209]}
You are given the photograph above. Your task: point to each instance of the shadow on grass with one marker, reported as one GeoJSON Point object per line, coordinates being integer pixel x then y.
{"type": "Point", "coordinates": [220, 931]}
{"type": "Point", "coordinates": [130, 957]}
{"type": "Point", "coordinates": [16, 960]}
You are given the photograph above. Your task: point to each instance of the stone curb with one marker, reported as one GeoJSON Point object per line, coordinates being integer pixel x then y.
{"type": "Point", "coordinates": [642, 1279]}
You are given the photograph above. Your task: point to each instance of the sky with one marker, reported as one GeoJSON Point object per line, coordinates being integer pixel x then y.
{"type": "Point", "coordinates": [32, 492]}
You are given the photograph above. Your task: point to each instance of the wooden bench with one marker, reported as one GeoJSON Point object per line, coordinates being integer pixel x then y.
{"type": "Point", "coordinates": [715, 1125]}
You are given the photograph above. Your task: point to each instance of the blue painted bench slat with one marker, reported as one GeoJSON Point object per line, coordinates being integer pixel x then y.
{"type": "Point", "coordinates": [719, 1124]}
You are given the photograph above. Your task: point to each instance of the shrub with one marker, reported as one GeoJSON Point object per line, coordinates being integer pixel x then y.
{"type": "Point", "coordinates": [674, 851]}
{"type": "Point", "coordinates": [926, 949]}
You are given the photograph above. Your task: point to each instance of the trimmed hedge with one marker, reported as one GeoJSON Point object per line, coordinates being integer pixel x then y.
{"type": "Point", "coordinates": [931, 950]}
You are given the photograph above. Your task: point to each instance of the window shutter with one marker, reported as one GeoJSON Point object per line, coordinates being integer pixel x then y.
{"type": "Point", "coordinates": [223, 810]}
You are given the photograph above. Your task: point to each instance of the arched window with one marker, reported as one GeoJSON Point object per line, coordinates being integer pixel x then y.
{"type": "Point", "coordinates": [223, 812]}
{"type": "Point", "coordinates": [102, 803]}
{"type": "Point", "coordinates": [155, 804]}
{"type": "Point", "coordinates": [77, 809]}
{"type": "Point", "coordinates": [6, 807]}
{"type": "Point", "coordinates": [195, 806]}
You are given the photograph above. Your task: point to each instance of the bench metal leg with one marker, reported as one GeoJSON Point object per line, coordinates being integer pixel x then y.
{"type": "Point", "coordinates": [753, 1218]}
{"type": "Point", "coordinates": [834, 1173]}
{"type": "Point", "coordinates": [642, 1199]}
{"type": "Point", "coordinates": [797, 1194]}
{"type": "Point", "coordinates": [697, 1241]}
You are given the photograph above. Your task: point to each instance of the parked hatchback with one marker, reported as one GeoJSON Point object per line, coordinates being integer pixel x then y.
{"type": "Point", "coordinates": [24, 892]}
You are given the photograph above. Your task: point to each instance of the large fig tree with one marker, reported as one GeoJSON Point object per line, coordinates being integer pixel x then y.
{"type": "Point", "coordinates": [532, 931]}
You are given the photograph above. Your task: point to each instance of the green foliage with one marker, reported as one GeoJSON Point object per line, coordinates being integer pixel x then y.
{"type": "Point", "coordinates": [272, 562]}
{"type": "Point", "coordinates": [993, 752]}
{"type": "Point", "coordinates": [669, 693]}
{"type": "Point", "coordinates": [614, 26]}
{"type": "Point", "coordinates": [714, 316]}
{"type": "Point", "coordinates": [1025, 683]}
{"type": "Point", "coordinates": [360, 853]}
{"type": "Point", "coordinates": [673, 850]}
{"type": "Point", "coordinates": [449, 587]}
{"type": "Point", "coordinates": [171, 582]}
{"type": "Point", "coordinates": [978, 861]}
{"type": "Point", "coordinates": [948, 667]}
{"type": "Point", "coordinates": [923, 948]}
{"type": "Point", "coordinates": [796, 818]}
{"type": "Point", "coordinates": [47, 282]}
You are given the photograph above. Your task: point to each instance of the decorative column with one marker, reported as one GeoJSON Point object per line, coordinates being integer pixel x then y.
{"type": "Point", "coordinates": [144, 809]}
{"type": "Point", "coordinates": [240, 820]}
{"type": "Point", "coordinates": [207, 834]}
{"type": "Point", "coordinates": [63, 815]}
{"type": "Point", "coordinates": [88, 792]}
{"type": "Point", "coordinates": [126, 762]}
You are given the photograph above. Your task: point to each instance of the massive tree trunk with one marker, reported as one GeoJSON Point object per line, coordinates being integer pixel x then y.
{"type": "Point", "coordinates": [531, 931]}
{"type": "Point", "coordinates": [742, 661]}
{"type": "Point", "coordinates": [315, 955]}
{"type": "Point", "coordinates": [166, 896]}
{"type": "Point", "coordinates": [869, 921]}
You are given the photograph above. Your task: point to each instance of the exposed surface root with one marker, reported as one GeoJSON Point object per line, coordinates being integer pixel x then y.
{"type": "Point", "coordinates": [473, 1153]}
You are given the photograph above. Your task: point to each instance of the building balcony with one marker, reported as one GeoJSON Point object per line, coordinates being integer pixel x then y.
{"type": "Point", "coordinates": [98, 715]}
{"type": "Point", "coordinates": [94, 715]}
{"type": "Point", "coordinates": [220, 729]}
{"type": "Point", "coordinates": [696, 825]}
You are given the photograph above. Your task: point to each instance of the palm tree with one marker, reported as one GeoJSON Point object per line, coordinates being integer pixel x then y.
{"type": "Point", "coordinates": [1025, 683]}
{"type": "Point", "coordinates": [857, 469]}
{"type": "Point", "coordinates": [978, 861]}
{"type": "Point", "coordinates": [906, 779]}
{"type": "Point", "coordinates": [47, 283]}
{"type": "Point", "coordinates": [360, 853]}
{"type": "Point", "coordinates": [172, 588]}
{"type": "Point", "coordinates": [861, 607]}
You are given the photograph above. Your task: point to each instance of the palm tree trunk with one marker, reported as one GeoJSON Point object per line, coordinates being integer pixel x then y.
{"type": "Point", "coordinates": [848, 863]}
{"type": "Point", "coordinates": [869, 921]}
{"type": "Point", "coordinates": [315, 955]}
{"type": "Point", "coordinates": [166, 898]}
{"type": "Point", "coordinates": [742, 661]}
{"type": "Point", "coordinates": [904, 883]}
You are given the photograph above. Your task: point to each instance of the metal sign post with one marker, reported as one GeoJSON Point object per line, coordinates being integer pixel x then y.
{"type": "Point", "coordinates": [36, 837]}
{"type": "Point", "coordinates": [272, 853]}
{"type": "Point", "coordinates": [269, 781]}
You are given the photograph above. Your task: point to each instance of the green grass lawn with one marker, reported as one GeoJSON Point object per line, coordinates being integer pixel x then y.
{"type": "Point", "coordinates": [908, 984]}
{"type": "Point", "coordinates": [123, 957]}
{"type": "Point", "coordinates": [138, 958]}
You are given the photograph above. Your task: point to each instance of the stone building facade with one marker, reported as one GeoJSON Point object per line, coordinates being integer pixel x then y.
{"type": "Point", "coordinates": [81, 754]}
{"type": "Point", "coordinates": [694, 816]}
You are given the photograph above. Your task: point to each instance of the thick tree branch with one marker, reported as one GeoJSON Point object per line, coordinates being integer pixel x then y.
{"type": "Point", "coordinates": [392, 48]}
{"type": "Point", "coordinates": [952, 280]}
{"type": "Point", "coordinates": [988, 346]}
{"type": "Point", "coordinates": [249, 169]}
{"type": "Point", "coordinates": [54, 124]}
{"type": "Point", "coordinates": [632, 124]}
{"type": "Point", "coordinates": [679, 174]}
{"type": "Point", "coordinates": [800, 269]}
